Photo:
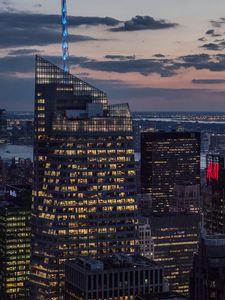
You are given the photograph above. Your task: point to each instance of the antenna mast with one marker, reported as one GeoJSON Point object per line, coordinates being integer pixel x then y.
{"type": "Point", "coordinates": [65, 45]}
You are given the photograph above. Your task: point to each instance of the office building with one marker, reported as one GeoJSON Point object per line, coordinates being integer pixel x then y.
{"type": "Point", "coordinates": [168, 158]}
{"type": "Point", "coordinates": [187, 198]}
{"type": "Point", "coordinates": [116, 277]}
{"type": "Point", "coordinates": [84, 177]}
{"type": "Point", "coordinates": [175, 238]}
{"type": "Point", "coordinates": [146, 243]}
{"type": "Point", "coordinates": [208, 273]}
{"type": "Point", "coordinates": [15, 243]}
{"type": "Point", "coordinates": [213, 195]}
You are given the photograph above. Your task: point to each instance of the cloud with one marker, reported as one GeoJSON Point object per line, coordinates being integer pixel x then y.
{"type": "Point", "coordinates": [37, 5]}
{"type": "Point", "coordinates": [21, 29]}
{"type": "Point", "coordinates": [159, 55]}
{"type": "Point", "coordinates": [144, 23]}
{"type": "Point", "coordinates": [202, 39]}
{"type": "Point", "coordinates": [212, 47]}
{"type": "Point", "coordinates": [213, 63]}
{"type": "Point", "coordinates": [143, 66]}
{"type": "Point", "coordinates": [120, 57]}
{"type": "Point", "coordinates": [22, 61]}
{"type": "Point", "coordinates": [208, 81]}
{"type": "Point", "coordinates": [13, 65]}
{"type": "Point", "coordinates": [18, 52]}
{"type": "Point", "coordinates": [212, 33]}
{"type": "Point", "coordinates": [218, 23]}
{"type": "Point", "coordinates": [17, 91]}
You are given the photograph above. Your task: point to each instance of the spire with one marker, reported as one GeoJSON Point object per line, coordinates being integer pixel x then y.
{"type": "Point", "coordinates": [65, 46]}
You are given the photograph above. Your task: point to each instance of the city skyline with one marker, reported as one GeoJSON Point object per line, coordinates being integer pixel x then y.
{"type": "Point", "coordinates": [161, 62]}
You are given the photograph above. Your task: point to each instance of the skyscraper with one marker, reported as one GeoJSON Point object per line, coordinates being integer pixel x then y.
{"type": "Point", "coordinates": [84, 177]}
{"type": "Point", "coordinates": [15, 243]}
{"type": "Point", "coordinates": [213, 195]}
{"type": "Point", "coordinates": [168, 158]}
{"type": "Point", "coordinates": [175, 237]}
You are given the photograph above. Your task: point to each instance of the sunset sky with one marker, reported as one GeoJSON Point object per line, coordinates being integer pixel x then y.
{"type": "Point", "coordinates": [169, 58]}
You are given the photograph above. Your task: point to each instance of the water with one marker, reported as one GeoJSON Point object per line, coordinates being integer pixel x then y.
{"type": "Point", "coordinates": [21, 151]}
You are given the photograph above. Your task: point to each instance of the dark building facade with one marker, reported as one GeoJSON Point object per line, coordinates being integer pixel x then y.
{"type": "Point", "coordinates": [162, 296]}
{"type": "Point", "coordinates": [175, 238]}
{"type": "Point", "coordinates": [3, 127]}
{"type": "Point", "coordinates": [214, 195]}
{"type": "Point", "coordinates": [15, 243]}
{"type": "Point", "coordinates": [116, 277]}
{"type": "Point", "coordinates": [168, 158]}
{"type": "Point", "coordinates": [207, 279]}
{"type": "Point", "coordinates": [84, 177]}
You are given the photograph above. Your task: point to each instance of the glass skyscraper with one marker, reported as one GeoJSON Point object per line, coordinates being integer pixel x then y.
{"type": "Point", "coordinates": [84, 178]}
{"type": "Point", "coordinates": [15, 243]}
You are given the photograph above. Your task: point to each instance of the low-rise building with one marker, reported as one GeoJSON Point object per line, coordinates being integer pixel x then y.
{"type": "Point", "coordinates": [116, 277]}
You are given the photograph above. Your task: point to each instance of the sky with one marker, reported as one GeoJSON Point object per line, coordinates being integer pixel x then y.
{"type": "Point", "coordinates": [157, 55]}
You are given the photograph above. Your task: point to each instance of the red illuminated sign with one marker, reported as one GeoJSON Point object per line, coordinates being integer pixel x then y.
{"type": "Point", "coordinates": [213, 171]}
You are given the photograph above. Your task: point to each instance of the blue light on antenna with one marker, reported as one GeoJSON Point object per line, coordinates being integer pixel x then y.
{"type": "Point", "coordinates": [65, 45]}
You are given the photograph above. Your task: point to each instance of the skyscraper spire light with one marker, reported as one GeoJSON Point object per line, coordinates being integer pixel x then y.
{"type": "Point", "coordinates": [65, 46]}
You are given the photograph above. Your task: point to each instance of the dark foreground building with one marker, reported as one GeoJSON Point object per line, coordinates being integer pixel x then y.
{"type": "Point", "coordinates": [208, 274]}
{"type": "Point", "coordinates": [15, 243]}
{"type": "Point", "coordinates": [84, 178]}
{"type": "Point", "coordinates": [162, 296]}
{"type": "Point", "coordinates": [168, 158]}
{"type": "Point", "coordinates": [116, 277]}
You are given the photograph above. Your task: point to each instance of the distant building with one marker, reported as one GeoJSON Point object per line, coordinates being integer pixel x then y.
{"type": "Point", "coordinates": [15, 243]}
{"type": "Point", "coordinates": [175, 237]}
{"type": "Point", "coordinates": [168, 158]}
{"type": "Point", "coordinates": [217, 142]}
{"type": "Point", "coordinates": [2, 173]}
{"type": "Point", "coordinates": [208, 274]}
{"type": "Point", "coordinates": [214, 195]}
{"type": "Point", "coordinates": [3, 127]}
{"type": "Point", "coordinates": [117, 277]}
{"type": "Point", "coordinates": [187, 198]}
{"type": "Point", "coordinates": [146, 242]}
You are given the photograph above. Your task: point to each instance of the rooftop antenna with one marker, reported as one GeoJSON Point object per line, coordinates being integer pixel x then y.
{"type": "Point", "coordinates": [65, 45]}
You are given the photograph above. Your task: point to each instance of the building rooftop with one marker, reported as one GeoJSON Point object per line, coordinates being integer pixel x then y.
{"type": "Point", "coordinates": [113, 262]}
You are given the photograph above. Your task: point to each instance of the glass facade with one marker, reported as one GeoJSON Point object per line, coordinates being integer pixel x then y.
{"type": "Point", "coordinates": [84, 180]}
{"type": "Point", "coordinates": [15, 237]}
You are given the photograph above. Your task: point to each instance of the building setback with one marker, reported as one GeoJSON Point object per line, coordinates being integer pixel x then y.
{"type": "Point", "coordinates": [168, 158]}
{"type": "Point", "coordinates": [84, 177]}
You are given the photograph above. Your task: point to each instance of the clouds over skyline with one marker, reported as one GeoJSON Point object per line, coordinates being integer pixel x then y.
{"type": "Point", "coordinates": [144, 23]}
{"type": "Point", "coordinates": [147, 56]}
